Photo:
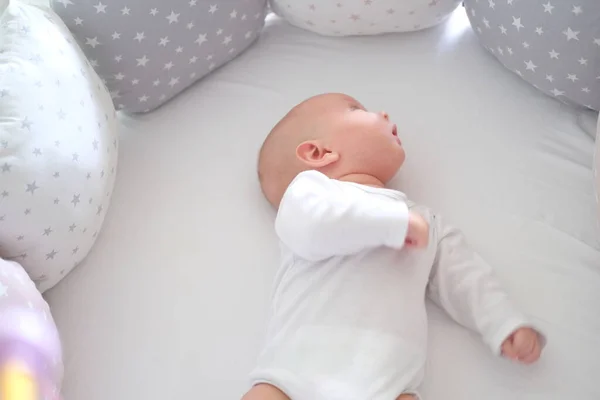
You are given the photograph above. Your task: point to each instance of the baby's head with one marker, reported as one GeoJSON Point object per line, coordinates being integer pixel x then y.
{"type": "Point", "coordinates": [334, 134]}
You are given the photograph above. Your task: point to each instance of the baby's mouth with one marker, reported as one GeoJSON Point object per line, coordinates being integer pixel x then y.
{"type": "Point", "coordinates": [395, 133]}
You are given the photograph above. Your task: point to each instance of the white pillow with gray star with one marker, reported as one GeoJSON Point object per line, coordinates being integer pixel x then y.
{"type": "Point", "coordinates": [58, 145]}
{"type": "Point", "coordinates": [148, 51]}
{"type": "Point", "coordinates": [363, 17]}
{"type": "Point", "coordinates": [552, 44]}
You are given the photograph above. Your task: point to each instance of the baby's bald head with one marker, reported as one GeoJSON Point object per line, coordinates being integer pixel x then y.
{"type": "Point", "coordinates": [334, 134]}
{"type": "Point", "coordinates": [278, 164]}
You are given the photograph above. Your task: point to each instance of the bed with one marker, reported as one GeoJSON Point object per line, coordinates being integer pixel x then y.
{"type": "Point", "coordinates": [173, 300]}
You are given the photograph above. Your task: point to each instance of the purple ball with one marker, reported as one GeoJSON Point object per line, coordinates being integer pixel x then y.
{"type": "Point", "coordinates": [30, 337]}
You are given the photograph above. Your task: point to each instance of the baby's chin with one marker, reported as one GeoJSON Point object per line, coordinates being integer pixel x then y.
{"type": "Point", "coordinates": [397, 163]}
{"type": "Point", "coordinates": [389, 170]}
{"type": "Point", "coordinates": [398, 157]}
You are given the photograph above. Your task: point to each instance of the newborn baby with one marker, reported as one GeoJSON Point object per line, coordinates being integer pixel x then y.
{"type": "Point", "coordinates": [348, 318]}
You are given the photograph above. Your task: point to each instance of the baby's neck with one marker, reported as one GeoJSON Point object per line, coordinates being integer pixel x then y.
{"type": "Point", "coordinates": [362, 179]}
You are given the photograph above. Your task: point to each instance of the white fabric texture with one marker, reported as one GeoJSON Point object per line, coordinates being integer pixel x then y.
{"type": "Point", "coordinates": [315, 214]}
{"type": "Point", "coordinates": [58, 145]}
{"type": "Point", "coordinates": [174, 300]}
{"type": "Point", "coordinates": [363, 17]}
{"type": "Point", "coordinates": [348, 319]}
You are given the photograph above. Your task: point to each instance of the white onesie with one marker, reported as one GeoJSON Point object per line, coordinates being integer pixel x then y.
{"type": "Point", "coordinates": [348, 319]}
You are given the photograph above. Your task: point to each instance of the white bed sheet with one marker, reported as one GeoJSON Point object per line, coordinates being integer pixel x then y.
{"type": "Point", "coordinates": [172, 303]}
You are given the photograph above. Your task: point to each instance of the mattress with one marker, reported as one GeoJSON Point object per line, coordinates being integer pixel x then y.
{"type": "Point", "coordinates": [173, 300]}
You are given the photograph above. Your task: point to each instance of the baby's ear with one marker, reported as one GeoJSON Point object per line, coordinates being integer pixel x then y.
{"type": "Point", "coordinates": [315, 155]}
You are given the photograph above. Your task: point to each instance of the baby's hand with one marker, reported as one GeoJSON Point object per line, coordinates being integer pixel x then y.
{"type": "Point", "coordinates": [418, 231]}
{"type": "Point", "coordinates": [523, 346]}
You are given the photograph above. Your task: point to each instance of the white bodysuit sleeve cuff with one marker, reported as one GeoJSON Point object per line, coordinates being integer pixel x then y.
{"type": "Point", "coordinates": [397, 216]}
{"type": "Point", "coordinates": [510, 325]}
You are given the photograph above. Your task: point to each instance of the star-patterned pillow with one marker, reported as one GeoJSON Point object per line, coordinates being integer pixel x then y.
{"type": "Point", "coordinates": [597, 168]}
{"type": "Point", "coordinates": [363, 17]}
{"type": "Point", "coordinates": [148, 51]}
{"type": "Point", "coordinates": [58, 145]}
{"type": "Point", "coordinates": [552, 44]}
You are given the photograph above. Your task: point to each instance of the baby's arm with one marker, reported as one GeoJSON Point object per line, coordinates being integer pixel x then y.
{"type": "Point", "coordinates": [317, 220]}
{"type": "Point", "coordinates": [463, 284]}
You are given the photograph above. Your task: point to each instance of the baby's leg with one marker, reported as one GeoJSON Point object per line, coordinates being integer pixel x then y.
{"type": "Point", "coordinates": [264, 391]}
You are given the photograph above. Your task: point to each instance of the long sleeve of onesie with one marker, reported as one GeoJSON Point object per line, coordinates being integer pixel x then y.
{"type": "Point", "coordinates": [318, 219]}
{"type": "Point", "coordinates": [463, 284]}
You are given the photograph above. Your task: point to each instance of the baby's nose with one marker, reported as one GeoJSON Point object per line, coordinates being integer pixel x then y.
{"type": "Point", "coordinates": [385, 115]}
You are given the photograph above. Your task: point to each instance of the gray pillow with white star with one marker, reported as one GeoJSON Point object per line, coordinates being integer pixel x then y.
{"type": "Point", "coordinates": [148, 51]}
{"type": "Point", "coordinates": [552, 44]}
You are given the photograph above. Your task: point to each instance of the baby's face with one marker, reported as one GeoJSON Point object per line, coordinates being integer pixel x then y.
{"type": "Point", "coordinates": [367, 142]}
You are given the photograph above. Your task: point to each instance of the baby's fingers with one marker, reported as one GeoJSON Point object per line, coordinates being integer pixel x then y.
{"type": "Point", "coordinates": [509, 350]}
{"type": "Point", "coordinates": [523, 347]}
{"type": "Point", "coordinates": [524, 342]}
{"type": "Point", "coordinates": [532, 355]}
